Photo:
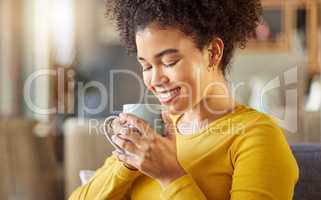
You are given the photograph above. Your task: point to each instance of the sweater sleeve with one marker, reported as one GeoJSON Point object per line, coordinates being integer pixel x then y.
{"type": "Point", "coordinates": [112, 181]}
{"type": "Point", "coordinates": [183, 188]}
{"type": "Point", "coordinates": [264, 166]}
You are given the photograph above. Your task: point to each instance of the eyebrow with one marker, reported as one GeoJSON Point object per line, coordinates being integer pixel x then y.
{"type": "Point", "coordinates": [162, 53]}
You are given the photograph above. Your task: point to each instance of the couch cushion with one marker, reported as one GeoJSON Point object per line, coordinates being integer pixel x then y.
{"type": "Point", "coordinates": [308, 157]}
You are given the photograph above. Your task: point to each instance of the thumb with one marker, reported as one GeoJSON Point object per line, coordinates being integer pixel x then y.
{"type": "Point", "coordinates": [169, 125]}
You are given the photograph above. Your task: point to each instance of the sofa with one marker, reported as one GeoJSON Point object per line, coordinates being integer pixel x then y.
{"type": "Point", "coordinates": [308, 157]}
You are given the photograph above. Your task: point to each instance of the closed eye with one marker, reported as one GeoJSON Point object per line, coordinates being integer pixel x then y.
{"type": "Point", "coordinates": [146, 68]}
{"type": "Point", "coordinates": [172, 64]}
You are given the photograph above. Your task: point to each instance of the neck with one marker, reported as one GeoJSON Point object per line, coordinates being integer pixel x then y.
{"type": "Point", "coordinates": [215, 104]}
{"type": "Point", "coordinates": [210, 109]}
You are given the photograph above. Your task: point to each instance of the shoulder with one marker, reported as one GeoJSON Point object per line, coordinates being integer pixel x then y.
{"type": "Point", "coordinates": [259, 134]}
{"type": "Point", "coordinates": [245, 122]}
{"type": "Point", "coordinates": [261, 157]}
{"type": "Point", "coordinates": [254, 122]}
{"type": "Point", "coordinates": [261, 141]}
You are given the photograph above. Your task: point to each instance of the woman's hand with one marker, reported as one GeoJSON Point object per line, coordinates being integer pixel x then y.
{"type": "Point", "coordinates": [152, 154]}
{"type": "Point", "coordinates": [119, 127]}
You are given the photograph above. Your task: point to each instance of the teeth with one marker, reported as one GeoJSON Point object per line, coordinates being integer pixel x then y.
{"type": "Point", "coordinates": [167, 96]}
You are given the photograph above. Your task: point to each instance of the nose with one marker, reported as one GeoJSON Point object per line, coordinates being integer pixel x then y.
{"type": "Point", "coordinates": [159, 78]}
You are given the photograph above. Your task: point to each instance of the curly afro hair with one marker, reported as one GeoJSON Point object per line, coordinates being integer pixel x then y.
{"type": "Point", "coordinates": [234, 21]}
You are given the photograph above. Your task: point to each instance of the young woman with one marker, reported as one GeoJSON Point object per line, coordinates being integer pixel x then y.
{"type": "Point", "coordinates": [214, 148]}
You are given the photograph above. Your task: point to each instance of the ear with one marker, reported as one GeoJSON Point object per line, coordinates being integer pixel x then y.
{"type": "Point", "coordinates": [216, 49]}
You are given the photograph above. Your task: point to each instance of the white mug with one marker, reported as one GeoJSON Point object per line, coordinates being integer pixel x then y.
{"type": "Point", "coordinates": [150, 113]}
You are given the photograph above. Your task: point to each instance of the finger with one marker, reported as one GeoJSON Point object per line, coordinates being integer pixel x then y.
{"type": "Point", "coordinates": [166, 117]}
{"type": "Point", "coordinates": [124, 144]}
{"type": "Point", "coordinates": [138, 123]}
{"type": "Point", "coordinates": [167, 120]}
{"type": "Point", "coordinates": [125, 158]}
{"type": "Point", "coordinates": [118, 124]}
{"type": "Point", "coordinates": [134, 136]}
{"type": "Point", "coordinates": [129, 131]}
{"type": "Point", "coordinates": [169, 124]}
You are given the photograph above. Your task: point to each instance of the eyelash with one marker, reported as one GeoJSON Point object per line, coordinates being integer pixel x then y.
{"type": "Point", "coordinates": [169, 65]}
{"type": "Point", "coordinates": [172, 64]}
{"type": "Point", "coordinates": [146, 69]}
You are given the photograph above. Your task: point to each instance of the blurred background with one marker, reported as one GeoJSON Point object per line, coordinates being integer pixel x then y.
{"type": "Point", "coordinates": [60, 76]}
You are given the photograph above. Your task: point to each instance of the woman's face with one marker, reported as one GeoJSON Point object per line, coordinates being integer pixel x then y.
{"type": "Point", "coordinates": [174, 70]}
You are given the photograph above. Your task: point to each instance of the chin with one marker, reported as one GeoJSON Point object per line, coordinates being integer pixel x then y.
{"type": "Point", "coordinates": [178, 107]}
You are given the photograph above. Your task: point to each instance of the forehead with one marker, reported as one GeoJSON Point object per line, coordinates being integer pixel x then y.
{"type": "Point", "coordinates": [153, 39]}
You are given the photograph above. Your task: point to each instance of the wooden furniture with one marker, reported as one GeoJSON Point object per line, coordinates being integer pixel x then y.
{"type": "Point", "coordinates": [86, 148]}
{"type": "Point", "coordinates": [10, 57]}
{"type": "Point", "coordinates": [282, 41]}
{"type": "Point", "coordinates": [280, 38]}
{"type": "Point", "coordinates": [28, 168]}
{"type": "Point", "coordinates": [313, 35]}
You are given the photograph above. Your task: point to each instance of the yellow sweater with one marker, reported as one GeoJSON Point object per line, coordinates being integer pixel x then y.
{"type": "Point", "coordinates": [241, 156]}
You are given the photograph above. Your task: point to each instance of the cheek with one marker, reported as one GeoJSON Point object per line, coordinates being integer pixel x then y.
{"type": "Point", "coordinates": [183, 72]}
{"type": "Point", "coordinates": [192, 77]}
{"type": "Point", "coordinates": [147, 79]}
{"type": "Point", "coordinates": [187, 75]}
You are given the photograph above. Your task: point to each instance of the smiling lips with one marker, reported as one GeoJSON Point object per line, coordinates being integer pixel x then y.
{"type": "Point", "coordinates": [169, 95]}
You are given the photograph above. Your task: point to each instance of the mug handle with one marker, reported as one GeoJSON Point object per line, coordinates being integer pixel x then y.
{"type": "Point", "coordinates": [107, 129]}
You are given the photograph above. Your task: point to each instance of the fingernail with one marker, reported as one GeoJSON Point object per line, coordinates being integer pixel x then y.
{"type": "Point", "coordinates": [122, 121]}
{"type": "Point", "coordinates": [126, 133]}
{"type": "Point", "coordinates": [120, 136]}
{"type": "Point", "coordinates": [113, 137]}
